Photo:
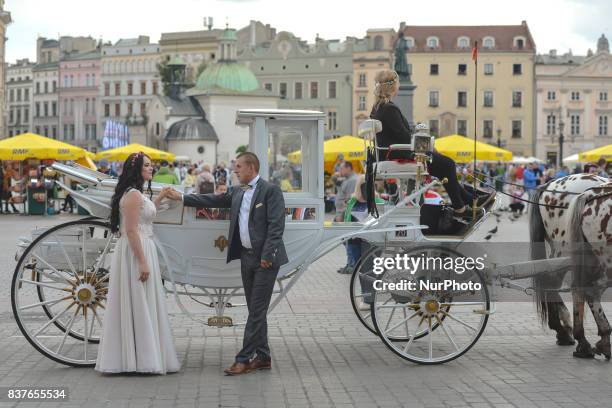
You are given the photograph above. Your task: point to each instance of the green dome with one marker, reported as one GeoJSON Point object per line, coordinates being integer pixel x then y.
{"type": "Point", "coordinates": [229, 75]}
{"type": "Point", "coordinates": [177, 60]}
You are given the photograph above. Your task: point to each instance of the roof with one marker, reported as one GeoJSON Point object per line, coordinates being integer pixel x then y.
{"type": "Point", "coordinates": [565, 59]}
{"type": "Point", "coordinates": [229, 34]}
{"type": "Point", "coordinates": [503, 34]}
{"type": "Point", "coordinates": [186, 106]}
{"type": "Point", "coordinates": [189, 35]}
{"type": "Point", "coordinates": [94, 54]}
{"type": "Point", "coordinates": [192, 129]}
{"type": "Point", "coordinates": [229, 75]}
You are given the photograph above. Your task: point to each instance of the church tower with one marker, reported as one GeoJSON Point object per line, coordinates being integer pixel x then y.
{"type": "Point", "coordinates": [5, 20]}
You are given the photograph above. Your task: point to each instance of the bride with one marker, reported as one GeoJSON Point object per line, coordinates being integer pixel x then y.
{"type": "Point", "coordinates": [136, 336]}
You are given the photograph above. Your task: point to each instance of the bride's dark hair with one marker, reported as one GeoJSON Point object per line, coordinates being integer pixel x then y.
{"type": "Point", "coordinates": [131, 177]}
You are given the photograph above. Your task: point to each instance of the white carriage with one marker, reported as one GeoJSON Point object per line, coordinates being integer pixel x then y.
{"type": "Point", "coordinates": [63, 271]}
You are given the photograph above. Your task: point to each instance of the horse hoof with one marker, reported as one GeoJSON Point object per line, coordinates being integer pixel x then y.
{"type": "Point", "coordinates": [604, 349]}
{"type": "Point", "coordinates": [584, 354]}
{"type": "Point", "coordinates": [566, 342]}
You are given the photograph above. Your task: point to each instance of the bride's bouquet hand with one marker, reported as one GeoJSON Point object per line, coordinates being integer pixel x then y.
{"type": "Point", "coordinates": [144, 273]}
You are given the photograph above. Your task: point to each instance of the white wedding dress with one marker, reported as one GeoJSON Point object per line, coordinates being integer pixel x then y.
{"type": "Point", "coordinates": [136, 336]}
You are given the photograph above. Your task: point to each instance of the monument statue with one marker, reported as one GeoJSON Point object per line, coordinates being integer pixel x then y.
{"type": "Point", "coordinates": [401, 64]}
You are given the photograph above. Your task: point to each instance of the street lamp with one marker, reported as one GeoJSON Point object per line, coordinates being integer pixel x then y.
{"type": "Point", "coordinates": [498, 137]}
{"type": "Point", "coordinates": [561, 140]}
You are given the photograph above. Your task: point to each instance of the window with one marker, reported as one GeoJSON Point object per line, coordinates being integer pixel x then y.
{"type": "Point", "coordinates": [54, 88]}
{"type": "Point", "coordinates": [462, 99]}
{"type": "Point", "coordinates": [462, 127]}
{"type": "Point", "coordinates": [38, 88]}
{"type": "Point", "coordinates": [488, 99]}
{"type": "Point", "coordinates": [434, 98]}
{"type": "Point", "coordinates": [378, 43]}
{"type": "Point", "coordinates": [603, 96]}
{"type": "Point", "coordinates": [297, 94]}
{"type": "Point", "coordinates": [26, 95]}
{"type": "Point", "coordinates": [65, 132]}
{"type": "Point", "coordinates": [130, 89]}
{"type": "Point", "coordinates": [11, 116]}
{"type": "Point", "coordinates": [434, 127]}
{"type": "Point", "coordinates": [603, 126]}
{"type": "Point", "coordinates": [488, 42]}
{"type": "Point", "coordinates": [130, 109]}
{"type": "Point", "coordinates": [38, 130]}
{"type": "Point", "coordinates": [12, 95]}
{"type": "Point", "coordinates": [143, 88]}
{"type": "Point", "coordinates": [154, 88]}
{"type": "Point", "coordinates": [106, 110]}
{"type": "Point", "coordinates": [463, 42]}
{"type": "Point", "coordinates": [46, 131]}
{"type": "Point", "coordinates": [462, 69]}
{"type": "Point", "coordinates": [284, 138]}
{"type": "Point", "coordinates": [575, 96]}
{"type": "Point", "coordinates": [332, 120]}
{"type": "Point", "coordinates": [18, 95]}
{"type": "Point", "coordinates": [54, 131]}
{"type": "Point", "coordinates": [37, 110]}
{"type": "Point", "coordinates": [117, 88]}
{"type": "Point", "coordinates": [282, 90]}
{"type": "Point", "coordinates": [487, 129]}
{"type": "Point", "coordinates": [362, 103]}
{"type": "Point", "coordinates": [517, 99]}
{"type": "Point", "coordinates": [87, 80]}
{"type": "Point", "coordinates": [551, 124]}
{"type": "Point", "coordinates": [46, 87]}
{"type": "Point", "coordinates": [26, 115]}
{"type": "Point", "coordinates": [314, 90]}
{"type": "Point", "coordinates": [117, 109]}
{"type": "Point", "coordinates": [106, 89]}
{"type": "Point", "coordinates": [519, 42]}
{"type": "Point", "coordinates": [18, 112]}
{"type": "Point", "coordinates": [143, 108]}
{"type": "Point", "coordinates": [517, 69]}
{"type": "Point", "coordinates": [54, 108]}
{"type": "Point", "coordinates": [432, 42]}
{"type": "Point", "coordinates": [46, 109]}
{"type": "Point", "coordinates": [331, 89]}
{"type": "Point", "coordinates": [268, 86]}
{"type": "Point", "coordinates": [362, 80]}
{"type": "Point", "coordinates": [575, 125]}
{"type": "Point", "coordinates": [65, 82]}
{"type": "Point", "coordinates": [433, 69]}
{"type": "Point", "coordinates": [551, 96]}
{"type": "Point", "coordinates": [517, 132]}
{"type": "Point", "coordinates": [409, 42]}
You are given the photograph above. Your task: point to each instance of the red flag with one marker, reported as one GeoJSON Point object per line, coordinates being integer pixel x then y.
{"type": "Point", "coordinates": [475, 53]}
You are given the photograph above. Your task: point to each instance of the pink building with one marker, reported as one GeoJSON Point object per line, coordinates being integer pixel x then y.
{"type": "Point", "coordinates": [79, 78]}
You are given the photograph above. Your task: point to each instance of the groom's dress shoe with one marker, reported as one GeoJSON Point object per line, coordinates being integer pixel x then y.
{"type": "Point", "coordinates": [258, 364]}
{"type": "Point", "coordinates": [238, 368]}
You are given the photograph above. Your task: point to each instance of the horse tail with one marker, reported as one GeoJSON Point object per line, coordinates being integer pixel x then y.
{"type": "Point", "coordinates": [537, 250]}
{"type": "Point", "coordinates": [580, 251]}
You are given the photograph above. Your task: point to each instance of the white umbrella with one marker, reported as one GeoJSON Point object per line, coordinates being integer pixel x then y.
{"type": "Point", "coordinates": [573, 159]}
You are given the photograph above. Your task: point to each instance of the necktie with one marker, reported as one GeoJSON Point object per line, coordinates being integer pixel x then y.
{"type": "Point", "coordinates": [246, 187]}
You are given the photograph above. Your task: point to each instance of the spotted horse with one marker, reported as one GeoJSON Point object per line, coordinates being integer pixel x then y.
{"type": "Point", "coordinates": [568, 217]}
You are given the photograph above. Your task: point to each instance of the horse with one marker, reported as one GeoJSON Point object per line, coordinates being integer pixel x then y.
{"type": "Point", "coordinates": [562, 216]}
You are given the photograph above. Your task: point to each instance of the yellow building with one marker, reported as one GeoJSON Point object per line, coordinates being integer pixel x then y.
{"type": "Point", "coordinates": [442, 68]}
{"type": "Point", "coordinates": [371, 54]}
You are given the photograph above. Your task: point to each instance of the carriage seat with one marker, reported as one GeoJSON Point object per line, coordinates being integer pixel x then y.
{"type": "Point", "coordinates": [392, 168]}
{"type": "Point", "coordinates": [398, 146]}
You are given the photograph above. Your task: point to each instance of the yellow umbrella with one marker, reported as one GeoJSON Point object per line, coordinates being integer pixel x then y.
{"type": "Point", "coordinates": [33, 146]}
{"type": "Point", "coordinates": [87, 162]}
{"type": "Point", "coordinates": [122, 153]}
{"type": "Point", "coordinates": [461, 149]}
{"type": "Point", "coordinates": [603, 152]}
{"type": "Point", "coordinates": [351, 147]}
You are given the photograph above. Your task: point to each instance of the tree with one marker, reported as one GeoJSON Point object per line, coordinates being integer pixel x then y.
{"type": "Point", "coordinates": [165, 74]}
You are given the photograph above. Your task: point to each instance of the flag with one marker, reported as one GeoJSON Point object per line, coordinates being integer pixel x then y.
{"type": "Point", "coordinates": [475, 52]}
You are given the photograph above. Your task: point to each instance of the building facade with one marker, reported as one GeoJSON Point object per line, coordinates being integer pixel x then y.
{"type": "Point", "coordinates": [443, 71]}
{"type": "Point", "coordinates": [573, 98]}
{"type": "Point", "coordinates": [307, 76]}
{"type": "Point", "coordinates": [19, 94]}
{"type": "Point", "coordinates": [5, 20]}
{"type": "Point", "coordinates": [129, 81]}
{"type": "Point", "coordinates": [371, 54]}
{"type": "Point", "coordinates": [78, 98]}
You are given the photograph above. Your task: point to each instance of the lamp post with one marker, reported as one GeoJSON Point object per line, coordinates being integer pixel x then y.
{"type": "Point", "coordinates": [499, 137]}
{"type": "Point", "coordinates": [561, 140]}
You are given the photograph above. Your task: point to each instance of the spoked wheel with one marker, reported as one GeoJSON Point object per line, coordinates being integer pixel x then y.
{"type": "Point", "coordinates": [59, 289]}
{"type": "Point", "coordinates": [362, 289]}
{"type": "Point", "coordinates": [406, 319]}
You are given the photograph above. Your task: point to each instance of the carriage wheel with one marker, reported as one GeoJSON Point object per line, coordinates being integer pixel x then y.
{"type": "Point", "coordinates": [59, 289]}
{"type": "Point", "coordinates": [461, 315]}
{"type": "Point", "coordinates": [361, 276]}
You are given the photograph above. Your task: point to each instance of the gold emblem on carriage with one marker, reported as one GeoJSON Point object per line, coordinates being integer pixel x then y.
{"type": "Point", "coordinates": [221, 243]}
{"type": "Point", "coordinates": [220, 321]}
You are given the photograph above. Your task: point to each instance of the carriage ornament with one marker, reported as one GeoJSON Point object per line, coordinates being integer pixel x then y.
{"type": "Point", "coordinates": [63, 271]}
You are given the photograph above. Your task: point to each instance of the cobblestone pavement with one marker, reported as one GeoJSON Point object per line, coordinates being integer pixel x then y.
{"type": "Point", "coordinates": [323, 357]}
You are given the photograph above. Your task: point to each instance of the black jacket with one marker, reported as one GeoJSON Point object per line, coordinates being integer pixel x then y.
{"type": "Point", "coordinates": [395, 127]}
{"type": "Point", "coordinates": [266, 220]}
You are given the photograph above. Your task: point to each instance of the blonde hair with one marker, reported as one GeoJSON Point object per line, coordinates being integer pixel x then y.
{"type": "Point", "coordinates": [385, 85]}
{"type": "Point", "coordinates": [206, 167]}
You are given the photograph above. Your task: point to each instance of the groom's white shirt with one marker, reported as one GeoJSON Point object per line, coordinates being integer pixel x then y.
{"type": "Point", "coordinates": [245, 210]}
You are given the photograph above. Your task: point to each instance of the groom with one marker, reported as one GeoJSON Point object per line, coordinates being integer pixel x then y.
{"type": "Point", "coordinates": [257, 223]}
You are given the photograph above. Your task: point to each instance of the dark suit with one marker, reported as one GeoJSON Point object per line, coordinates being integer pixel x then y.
{"type": "Point", "coordinates": [266, 228]}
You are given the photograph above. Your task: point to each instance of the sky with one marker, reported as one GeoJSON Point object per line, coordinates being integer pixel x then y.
{"type": "Point", "coordinates": [554, 24]}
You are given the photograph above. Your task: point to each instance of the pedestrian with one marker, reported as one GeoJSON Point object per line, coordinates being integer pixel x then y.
{"type": "Point", "coordinates": [165, 175]}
